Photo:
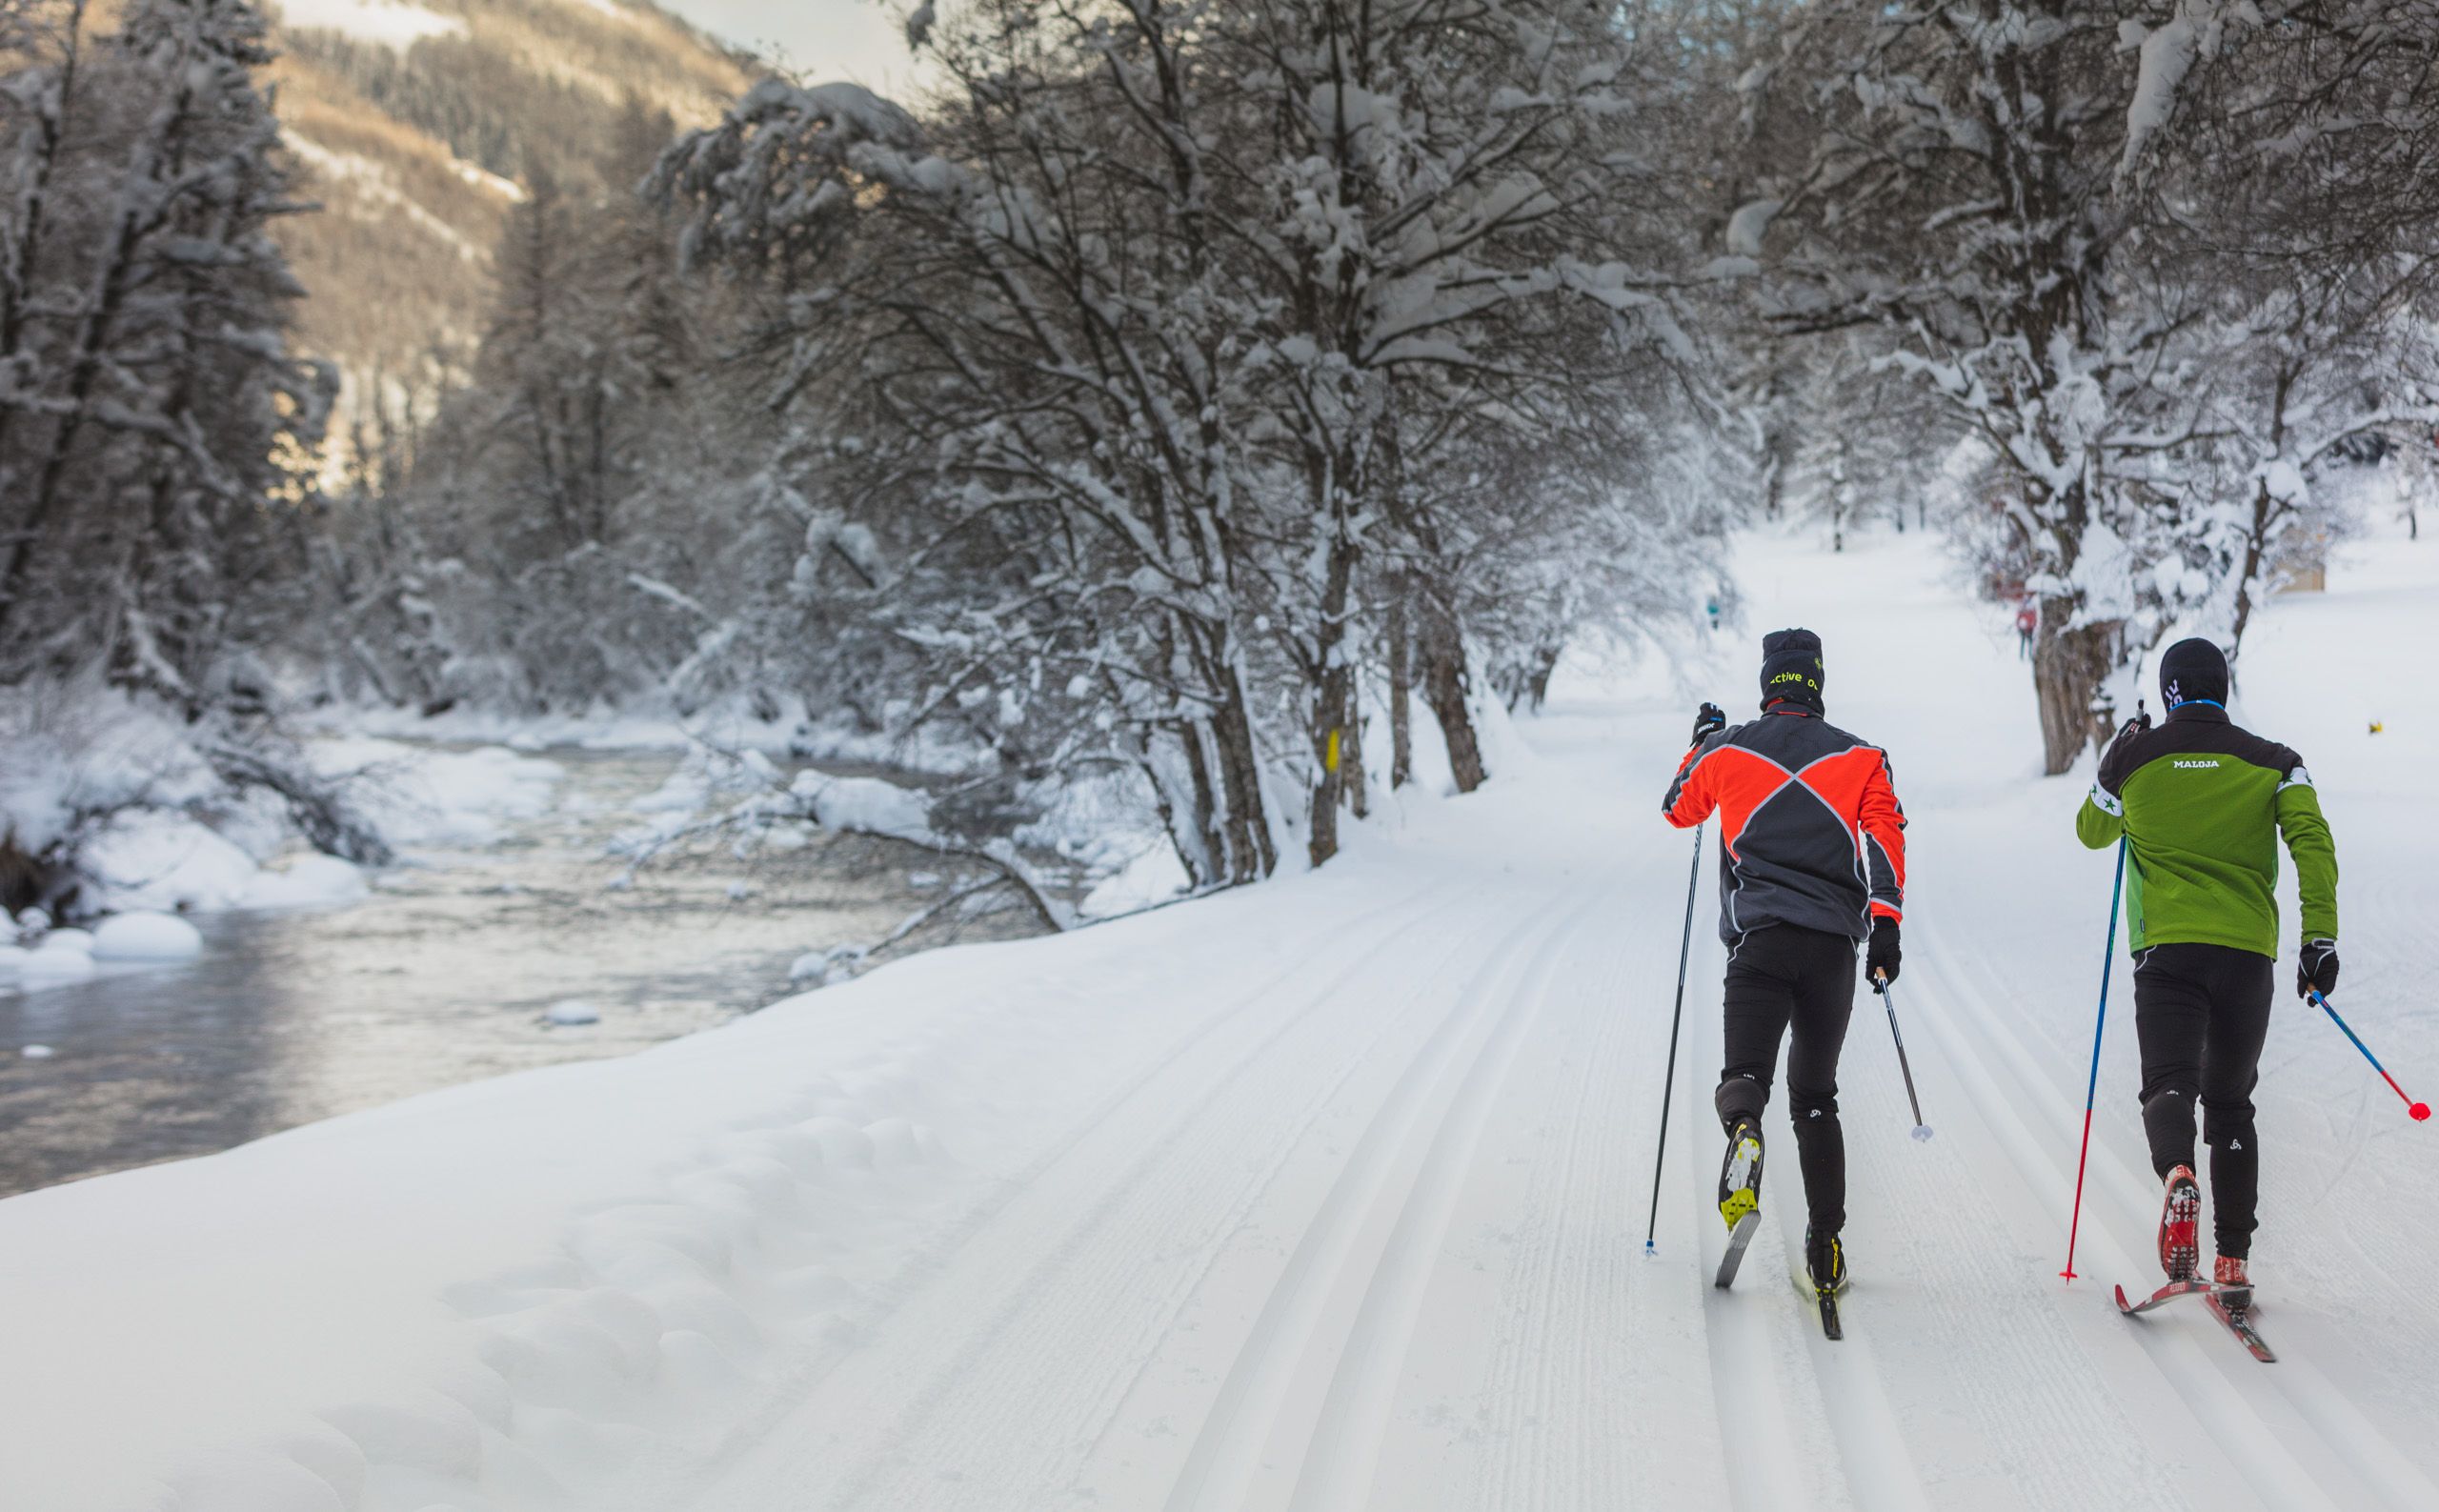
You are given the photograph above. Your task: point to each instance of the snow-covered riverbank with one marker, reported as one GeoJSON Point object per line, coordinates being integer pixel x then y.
{"type": "Point", "coordinates": [1330, 1193]}
{"type": "Point", "coordinates": [508, 936]}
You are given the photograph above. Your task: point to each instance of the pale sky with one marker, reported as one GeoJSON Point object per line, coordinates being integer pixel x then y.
{"type": "Point", "coordinates": [862, 40]}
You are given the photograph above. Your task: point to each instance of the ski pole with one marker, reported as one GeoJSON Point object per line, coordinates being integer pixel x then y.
{"type": "Point", "coordinates": [2419, 1110]}
{"type": "Point", "coordinates": [1888, 991]}
{"type": "Point", "coordinates": [1684, 950]}
{"type": "Point", "coordinates": [2091, 1088]}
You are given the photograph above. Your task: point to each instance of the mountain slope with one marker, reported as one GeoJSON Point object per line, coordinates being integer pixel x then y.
{"type": "Point", "coordinates": [415, 126]}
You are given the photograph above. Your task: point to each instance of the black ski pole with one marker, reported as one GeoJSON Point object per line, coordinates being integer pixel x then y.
{"type": "Point", "coordinates": [1888, 991]}
{"type": "Point", "coordinates": [1684, 950]}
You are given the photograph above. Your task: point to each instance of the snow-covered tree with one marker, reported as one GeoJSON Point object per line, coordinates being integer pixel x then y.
{"type": "Point", "coordinates": [1162, 318]}
{"type": "Point", "coordinates": [152, 423]}
{"type": "Point", "coordinates": [2142, 252]}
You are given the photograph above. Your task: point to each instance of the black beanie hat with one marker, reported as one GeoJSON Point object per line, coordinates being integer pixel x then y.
{"type": "Point", "coordinates": [1791, 670]}
{"type": "Point", "coordinates": [2193, 669]}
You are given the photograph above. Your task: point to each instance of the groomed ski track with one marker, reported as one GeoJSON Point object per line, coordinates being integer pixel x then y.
{"type": "Point", "coordinates": [1370, 1235]}
{"type": "Point", "coordinates": [1330, 1194]}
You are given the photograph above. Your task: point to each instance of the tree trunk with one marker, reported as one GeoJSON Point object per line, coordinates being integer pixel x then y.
{"type": "Point", "coordinates": [1352, 782]}
{"type": "Point", "coordinates": [1448, 690]}
{"type": "Point", "coordinates": [1189, 815]}
{"type": "Point", "coordinates": [1332, 696]}
{"type": "Point", "coordinates": [2069, 667]}
{"type": "Point", "coordinates": [1243, 821]}
{"type": "Point", "coordinates": [1400, 686]}
{"type": "Point", "coordinates": [1537, 683]}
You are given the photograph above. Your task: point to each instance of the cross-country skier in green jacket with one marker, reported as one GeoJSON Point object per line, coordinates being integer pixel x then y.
{"type": "Point", "coordinates": [2202, 805]}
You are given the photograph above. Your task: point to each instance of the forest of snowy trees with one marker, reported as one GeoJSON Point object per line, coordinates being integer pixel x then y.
{"type": "Point", "coordinates": [1221, 399]}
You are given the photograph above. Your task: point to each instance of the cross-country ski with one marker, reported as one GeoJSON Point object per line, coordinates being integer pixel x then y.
{"type": "Point", "coordinates": [971, 756]}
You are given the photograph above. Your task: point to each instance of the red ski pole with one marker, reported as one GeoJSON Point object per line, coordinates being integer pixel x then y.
{"type": "Point", "coordinates": [2419, 1110]}
{"type": "Point", "coordinates": [2091, 1088]}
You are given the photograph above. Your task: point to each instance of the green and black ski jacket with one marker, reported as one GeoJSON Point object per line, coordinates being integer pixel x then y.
{"type": "Point", "coordinates": [2202, 804]}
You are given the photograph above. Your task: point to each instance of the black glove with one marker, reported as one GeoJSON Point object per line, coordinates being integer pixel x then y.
{"type": "Point", "coordinates": [2317, 970]}
{"type": "Point", "coordinates": [1709, 722]}
{"type": "Point", "coordinates": [2133, 726]}
{"type": "Point", "coordinates": [1882, 955]}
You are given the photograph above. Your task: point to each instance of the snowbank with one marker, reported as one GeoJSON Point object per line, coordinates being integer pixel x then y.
{"type": "Point", "coordinates": [422, 798]}
{"type": "Point", "coordinates": [867, 805]}
{"type": "Point", "coordinates": [164, 860]}
{"type": "Point", "coordinates": [70, 752]}
{"type": "Point", "coordinates": [147, 937]}
{"type": "Point", "coordinates": [55, 964]}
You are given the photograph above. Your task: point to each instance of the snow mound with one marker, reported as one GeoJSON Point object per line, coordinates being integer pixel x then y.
{"type": "Point", "coordinates": [55, 966]}
{"type": "Point", "coordinates": [1154, 875]}
{"type": "Point", "coordinates": [147, 937]}
{"type": "Point", "coordinates": [708, 774]}
{"type": "Point", "coordinates": [310, 881]}
{"type": "Point", "coordinates": [571, 1012]}
{"type": "Point", "coordinates": [868, 805]}
{"type": "Point", "coordinates": [422, 798]}
{"type": "Point", "coordinates": [154, 860]}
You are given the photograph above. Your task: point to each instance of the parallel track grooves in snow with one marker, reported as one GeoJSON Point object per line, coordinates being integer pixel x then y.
{"type": "Point", "coordinates": [1258, 1404]}
{"type": "Point", "coordinates": [2245, 1411]}
{"type": "Point", "coordinates": [1125, 1156]}
{"type": "Point", "coordinates": [1340, 1465]}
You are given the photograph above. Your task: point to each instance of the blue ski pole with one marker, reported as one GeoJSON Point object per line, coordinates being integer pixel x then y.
{"type": "Point", "coordinates": [2419, 1110]}
{"type": "Point", "coordinates": [2092, 1087]}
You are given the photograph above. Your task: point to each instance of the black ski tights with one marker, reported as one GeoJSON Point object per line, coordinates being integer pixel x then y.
{"type": "Point", "coordinates": [2202, 1012]}
{"type": "Point", "coordinates": [1777, 978]}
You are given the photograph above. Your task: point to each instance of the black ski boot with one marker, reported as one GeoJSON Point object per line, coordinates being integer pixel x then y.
{"type": "Point", "coordinates": [1739, 1193]}
{"type": "Point", "coordinates": [1824, 1256]}
{"type": "Point", "coordinates": [1824, 1268]}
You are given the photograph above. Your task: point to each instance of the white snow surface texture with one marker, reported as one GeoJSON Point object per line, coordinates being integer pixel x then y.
{"type": "Point", "coordinates": [1330, 1194]}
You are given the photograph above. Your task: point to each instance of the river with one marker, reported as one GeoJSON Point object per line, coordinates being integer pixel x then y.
{"type": "Point", "coordinates": [443, 974]}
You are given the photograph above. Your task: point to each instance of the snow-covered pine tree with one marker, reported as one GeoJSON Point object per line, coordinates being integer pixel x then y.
{"type": "Point", "coordinates": [154, 420]}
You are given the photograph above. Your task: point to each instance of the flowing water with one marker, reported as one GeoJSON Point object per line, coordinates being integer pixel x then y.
{"type": "Point", "coordinates": [442, 975]}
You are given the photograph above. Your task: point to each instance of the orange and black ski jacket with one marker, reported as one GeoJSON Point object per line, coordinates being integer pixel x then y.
{"type": "Point", "coordinates": [1810, 830]}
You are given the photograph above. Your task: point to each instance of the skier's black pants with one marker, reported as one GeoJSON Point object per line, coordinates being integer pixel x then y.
{"type": "Point", "coordinates": [2201, 1012]}
{"type": "Point", "coordinates": [1777, 978]}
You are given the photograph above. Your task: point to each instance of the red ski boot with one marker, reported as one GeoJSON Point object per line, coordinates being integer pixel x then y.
{"type": "Point", "coordinates": [2229, 1284]}
{"type": "Point", "coordinates": [2180, 1217]}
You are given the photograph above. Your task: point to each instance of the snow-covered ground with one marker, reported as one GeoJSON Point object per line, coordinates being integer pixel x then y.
{"type": "Point", "coordinates": [1330, 1194]}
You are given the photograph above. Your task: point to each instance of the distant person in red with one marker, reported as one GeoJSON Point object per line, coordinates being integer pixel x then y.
{"type": "Point", "coordinates": [2027, 620]}
{"type": "Point", "coordinates": [1812, 865]}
